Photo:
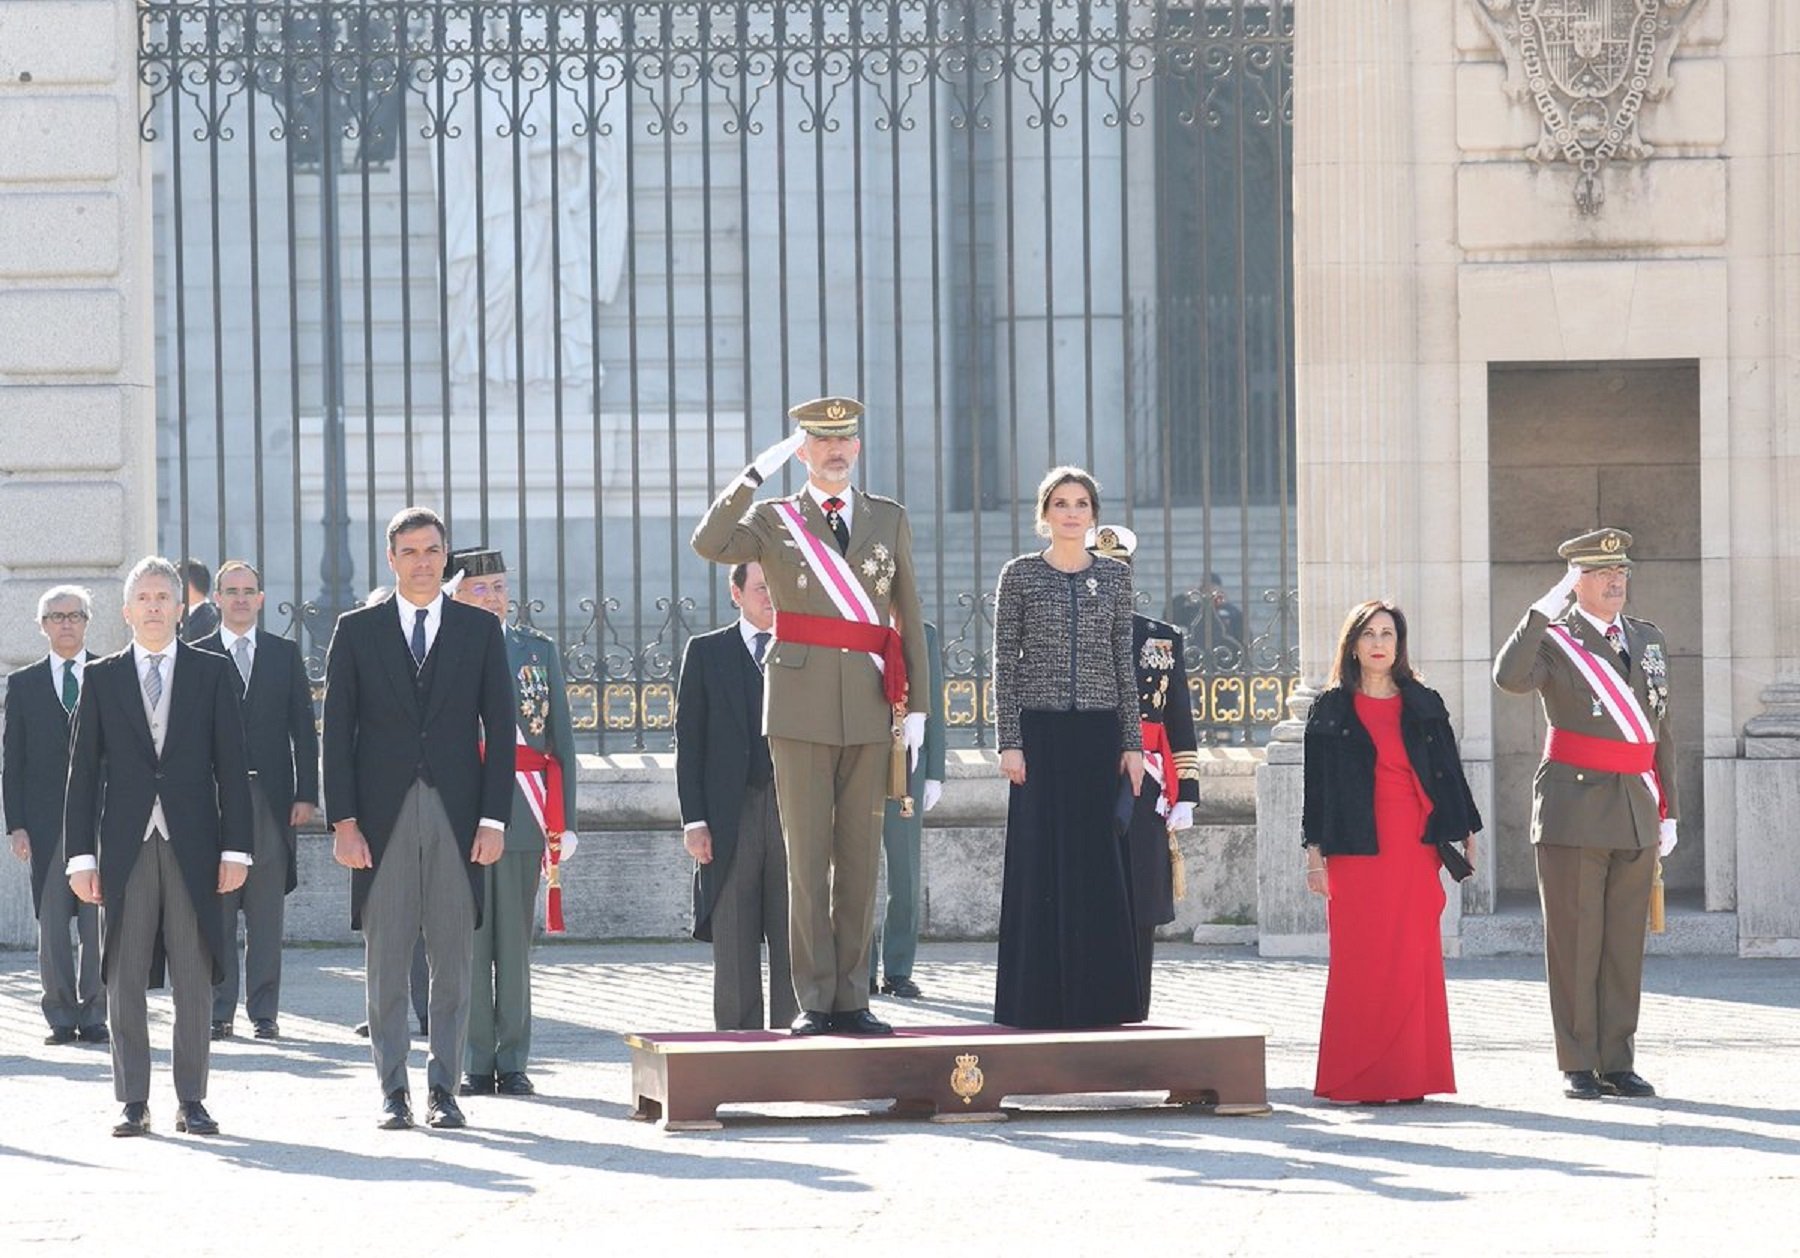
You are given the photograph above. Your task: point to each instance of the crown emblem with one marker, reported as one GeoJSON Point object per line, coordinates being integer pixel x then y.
{"type": "Point", "coordinates": [967, 1080]}
{"type": "Point", "coordinates": [1609, 543]}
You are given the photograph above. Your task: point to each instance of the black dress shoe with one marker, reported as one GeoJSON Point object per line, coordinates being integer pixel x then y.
{"type": "Point", "coordinates": [902, 987]}
{"type": "Point", "coordinates": [859, 1022]}
{"type": "Point", "coordinates": [444, 1112]}
{"type": "Point", "coordinates": [1625, 1083]}
{"type": "Point", "coordinates": [1582, 1085]}
{"type": "Point", "coordinates": [811, 1023]}
{"type": "Point", "coordinates": [266, 1028]}
{"type": "Point", "coordinates": [396, 1111]}
{"type": "Point", "coordinates": [192, 1118]}
{"type": "Point", "coordinates": [96, 1034]}
{"type": "Point", "coordinates": [135, 1121]}
{"type": "Point", "coordinates": [477, 1085]}
{"type": "Point", "coordinates": [515, 1083]}
{"type": "Point", "coordinates": [61, 1035]}
{"type": "Point", "coordinates": [362, 1029]}
{"type": "Point", "coordinates": [221, 1030]}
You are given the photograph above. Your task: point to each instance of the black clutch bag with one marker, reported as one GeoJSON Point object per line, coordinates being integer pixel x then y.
{"type": "Point", "coordinates": [1124, 805]}
{"type": "Point", "coordinates": [1455, 863]}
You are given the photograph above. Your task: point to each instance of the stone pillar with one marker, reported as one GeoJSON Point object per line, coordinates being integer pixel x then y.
{"type": "Point", "coordinates": [1355, 369]}
{"type": "Point", "coordinates": [1768, 800]}
{"type": "Point", "coordinates": [77, 414]}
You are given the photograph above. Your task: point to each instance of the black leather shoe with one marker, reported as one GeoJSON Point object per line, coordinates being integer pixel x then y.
{"type": "Point", "coordinates": [444, 1113]}
{"type": "Point", "coordinates": [811, 1023]}
{"type": "Point", "coordinates": [902, 987]}
{"type": "Point", "coordinates": [135, 1121]}
{"type": "Point", "coordinates": [266, 1028]}
{"type": "Point", "coordinates": [221, 1030]}
{"type": "Point", "coordinates": [1582, 1085]}
{"type": "Point", "coordinates": [396, 1111]}
{"type": "Point", "coordinates": [515, 1083]}
{"type": "Point", "coordinates": [362, 1029]}
{"type": "Point", "coordinates": [191, 1117]}
{"type": "Point", "coordinates": [96, 1034]}
{"type": "Point", "coordinates": [860, 1022]}
{"type": "Point", "coordinates": [1625, 1083]}
{"type": "Point", "coordinates": [477, 1085]}
{"type": "Point", "coordinates": [61, 1035]}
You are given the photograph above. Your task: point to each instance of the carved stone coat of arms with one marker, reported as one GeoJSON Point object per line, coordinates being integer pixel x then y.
{"type": "Point", "coordinates": [1588, 66]}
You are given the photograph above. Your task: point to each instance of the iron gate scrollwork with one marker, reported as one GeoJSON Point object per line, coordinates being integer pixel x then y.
{"type": "Point", "coordinates": [558, 268]}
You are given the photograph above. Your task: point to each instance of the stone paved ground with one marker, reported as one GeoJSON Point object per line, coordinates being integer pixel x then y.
{"type": "Point", "coordinates": [1507, 1166]}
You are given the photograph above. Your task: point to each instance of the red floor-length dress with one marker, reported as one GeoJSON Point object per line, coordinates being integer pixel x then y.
{"type": "Point", "coordinates": [1385, 1033]}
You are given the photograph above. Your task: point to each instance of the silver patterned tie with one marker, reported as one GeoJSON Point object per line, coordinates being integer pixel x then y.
{"type": "Point", "coordinates": [153, 683]}
{"type": "Point", "coordinates": [240, 651]}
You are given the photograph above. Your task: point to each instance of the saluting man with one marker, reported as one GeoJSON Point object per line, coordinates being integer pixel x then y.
{"type": "Point", "coordinates": [1171, 762]}
{"type": "Point", "coordinates": [544, 782]}
{"type": "Point", "coordinates": [1603, 803]}
{"type": "Point", "coordinates": [848, 637]}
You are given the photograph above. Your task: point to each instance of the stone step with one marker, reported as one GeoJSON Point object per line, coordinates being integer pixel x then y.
{"type": "Point", "coordinates": [1691, 932]}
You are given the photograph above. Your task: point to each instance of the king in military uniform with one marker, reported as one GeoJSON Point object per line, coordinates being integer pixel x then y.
{"type": "Point", "coordinates": [848, 637]}
{"type": "Point", "coordinates": [1171, 762]}
{"type": "Point", "coordinates": [541, 836]}
{"type": "Point", "coordinates": [1603, 802]}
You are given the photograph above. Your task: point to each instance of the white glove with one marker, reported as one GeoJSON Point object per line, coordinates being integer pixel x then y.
{"type": "Point", "coordinates": [1556, 602]}
{"type": "Point", "coordinates": [454, 583]}
{"type": "Point", "coordinates": [1181, 816]}
{"type": "Point", "coordinates": [934, 791]}
{"type": "Point", "coordinates": [914, 735]}
{"type": "Point", "coordinates": [1665, 837]}
{"type": "Point", "coordinates": [769, 461]}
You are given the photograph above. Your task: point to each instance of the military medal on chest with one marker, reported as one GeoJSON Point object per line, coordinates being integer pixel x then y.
{"type": "Point", "coordinates": [534, 697]}
{"type": "Point", "coordinates": [879, 568]}
{"type": "Point", "coordinates": [1656, 677]}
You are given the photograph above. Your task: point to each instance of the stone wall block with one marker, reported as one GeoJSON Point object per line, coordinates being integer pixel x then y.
{"type": "Point", "coordinates": [59, 138]}
{"type": "Point", "coordinates": [62, 526]}
{"type": "Point", "coordinates": [61, 332]}
{"type": "Point", "coordinates": [61, 430]}
{"type": "Point", "coordinates": [60, 234]}
{"type": "Point", "coordinates": [58, 42]}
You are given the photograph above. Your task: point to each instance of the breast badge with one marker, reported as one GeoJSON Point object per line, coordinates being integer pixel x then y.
{"type": "Point", "coordinates": [879, 568]}
{"type": "Point", "coordinates": [1656, 677]}
{"type": "Point", "coordinates": [1158, 653]}
{"type": "Point", "coordinates": [534, 697]}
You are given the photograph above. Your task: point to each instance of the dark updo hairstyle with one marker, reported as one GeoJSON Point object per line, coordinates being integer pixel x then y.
{"type": "Point", "coordinates": [1345, 670]}
{"type": "Point", "coordinates": [1055, 479]}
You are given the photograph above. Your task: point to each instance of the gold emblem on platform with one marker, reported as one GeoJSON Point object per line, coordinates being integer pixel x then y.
{"type": "Point", "coordinates": [967, 1080]}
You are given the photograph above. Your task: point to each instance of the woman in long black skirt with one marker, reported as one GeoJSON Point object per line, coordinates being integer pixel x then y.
{"type": "Point", "coordinates": [1067, 711]}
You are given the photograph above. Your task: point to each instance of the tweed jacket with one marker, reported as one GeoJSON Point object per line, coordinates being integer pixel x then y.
{"type": "Point", "coordinates": [1576, 807]}
{"type": "Point", "coordinates": [1062, 642]}
{"type": "Point", "coordinates": [823, 694]}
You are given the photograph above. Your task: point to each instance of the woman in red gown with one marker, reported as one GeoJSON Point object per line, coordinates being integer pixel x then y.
{"type": "Point", "coordinates": [1384, 785]}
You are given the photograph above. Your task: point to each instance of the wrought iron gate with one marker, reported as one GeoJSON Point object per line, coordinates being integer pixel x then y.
{"type": "Point", "coordinates": [558, 268]}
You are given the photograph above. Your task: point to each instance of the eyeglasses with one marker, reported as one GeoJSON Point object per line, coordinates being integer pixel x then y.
{"type": "Point", "coordinates": [64, 618]}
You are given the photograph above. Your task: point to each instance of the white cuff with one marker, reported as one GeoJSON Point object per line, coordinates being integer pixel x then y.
{"type": "Point", "coordinates": [691, 826]}
{"type": "Point", "coordinates": [491, 824]}
{"type": "Point", "coordinates": [237, 858]}
{"type": "Point", "coordinates": [81, 865]}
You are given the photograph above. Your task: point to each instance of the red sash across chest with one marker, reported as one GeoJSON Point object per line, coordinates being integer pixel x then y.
{"type": "Point", "coordinates": [849, 635]}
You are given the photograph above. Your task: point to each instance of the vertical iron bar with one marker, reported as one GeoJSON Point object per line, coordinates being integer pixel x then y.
{"type": "Point", "coordinates": [478, 91]}
{"type": "Point", "coordinates": [402, 151]}
{"type": "Point", "coordinates": [176, 194]}
{"type": "Point", "coordinates": [670, 348]}
{"type": "Point", "coordinates": [518, 57]}
{"type": "Point", "coordinates": [553, 49]}
{"type": "Point", "coordinates": [365, 123]}
{"type": "Point", "coordinates": [215, 126]}
{"type": "Point", "coordinates": [631, 273]}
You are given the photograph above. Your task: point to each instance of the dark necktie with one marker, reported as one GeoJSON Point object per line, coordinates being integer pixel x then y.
{"type": "Point", "coordinates": [833, 516]}
{"type": "Point", "coordinates": [761, 639]}
{"type": "Point", "coordinates": [1616, 641]}
{"type": "Point", "coordinates": [418, 636]}
{"type": "Point", "coordinates": [71, 688]}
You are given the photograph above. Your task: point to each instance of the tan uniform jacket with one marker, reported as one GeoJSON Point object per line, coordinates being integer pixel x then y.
{"type": "Point", "coordinates": [822, 694]}
{"type": "Point", "coordinates": [1574, 807]}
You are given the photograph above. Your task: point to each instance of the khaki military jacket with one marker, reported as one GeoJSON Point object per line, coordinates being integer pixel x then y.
{"type": "Point", "coordinates": [1573, 807]}
{"type": "Point", "coordinates": [824, 694]}
{"type": "Point", "coordinates": [541, 706]}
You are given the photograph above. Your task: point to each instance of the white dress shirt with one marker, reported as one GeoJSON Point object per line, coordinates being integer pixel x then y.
{"type": "Point", "coordinates": [229, 639]}
{"type": "Point", "coordinates": [847, 496]}
{"type": "Point", "coordinates": [1603, 625]}
{"type": "Point", "coordinates": [158, 717]}
{"type": "Point", "coordinates": [408, 613]}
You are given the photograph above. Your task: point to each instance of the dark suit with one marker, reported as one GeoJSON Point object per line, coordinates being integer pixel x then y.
{"type": "Point", "coordinates": [725, 778]}
{"type": "Point", "coordinates": [199, 621]}
{"type": "Point", "coordinates": [37, 771]}
{"type": "Point", "coordinates": [159, 893]}
{"type": "Point", "coordinates": [284, 761]}
{"type": "Point", "coordinates": [404, 757]}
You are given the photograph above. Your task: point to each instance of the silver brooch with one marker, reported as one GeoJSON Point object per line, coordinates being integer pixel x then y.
{"type": "Point", "coordinates": [1093, 586]}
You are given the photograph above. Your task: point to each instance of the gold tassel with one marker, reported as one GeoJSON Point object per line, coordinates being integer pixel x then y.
{"type": "Point", "coordinates": [1657, 924]}
{"type": "Point", "coordinates": [1177, 868]}
{"type": "Point", "coordinates": [897, 766]}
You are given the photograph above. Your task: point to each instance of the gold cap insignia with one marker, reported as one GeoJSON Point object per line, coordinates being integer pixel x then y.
{"type": "Point", "coordinates": [828, 416]}
{"type": "Point", "coordinates": [1603, 548]}
{"type": "Point", "coordinates": [1114, 541]}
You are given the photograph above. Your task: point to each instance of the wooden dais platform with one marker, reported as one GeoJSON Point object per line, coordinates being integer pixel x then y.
{"type": "Point", "coordinates": [944, 1073]}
